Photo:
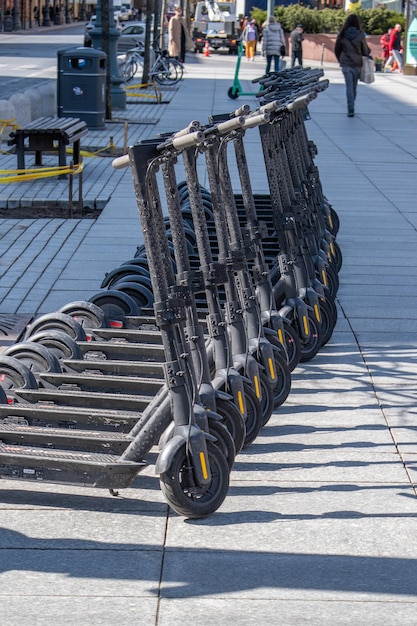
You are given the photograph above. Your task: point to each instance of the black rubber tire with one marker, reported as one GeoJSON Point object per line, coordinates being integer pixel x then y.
{"type": "Point", "coordinates": [254, 415]}
{"type": "Point", "coordinates": [334, 224]}
{"type": "Point", "coordinates": [337, 257]}
{"type": "Point", "coordinates": [328, 312]}
{"type": "Point", "coordinates": [181, 492]}
{"type": "Point", "coordinates": [87, 314]}
{"type": "Point", "coordinates": [141, 294]}
{"type": "Point", "coordinates": [15, 375]}
{"type": "Point", "coordinates": [140, 266]}
{"type": "Point", "coordinates": [267, 399]}
{"type": "Point", "coordinates": [35, 356]}
{"type": "Point", "coordinates": [233, 420]}
{"type": "Point", "coordinates": [292, 344]}
{"type": "Point", "coordinates": [233, 95]}
{"type": "Point", "coordinates": [139, 279]}
{"type": "Point", "coordinates": [120, 273]}
{"type": "Point", "coordinates": [332, 282]}
{"type": "Point", "coordinates": [311, 346]}
{"type": "Point", "coordinates": [115, 304]}
{"type": "Point", "coordinates": [60, 344]}
{"type": "Point", "coordinates": [282, 388]}
{"type": "Point", "coordinates": [3, 397]}
{"type": "Point", "coordinates": [224, 441]}
{"type": "Point", "coordinates": [57, 321]}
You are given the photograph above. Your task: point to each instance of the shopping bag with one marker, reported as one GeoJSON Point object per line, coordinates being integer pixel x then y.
{"type": "Point", "coordinates": [367, 71]}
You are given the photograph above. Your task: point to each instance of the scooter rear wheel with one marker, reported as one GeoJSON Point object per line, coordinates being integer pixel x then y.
{"type": "Point", "coordinates": [15, 375]}
{"type": "Point", "coordinates": [182, 493]}
{"type": "Point", "coordinates": [35, 356]}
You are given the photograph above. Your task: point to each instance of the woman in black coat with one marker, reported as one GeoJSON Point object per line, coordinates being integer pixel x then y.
{"type": "Point", "coordinates": [349, 49]}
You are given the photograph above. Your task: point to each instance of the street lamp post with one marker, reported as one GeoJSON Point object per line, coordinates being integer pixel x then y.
{"type": "Point", "coordinates": [83, 13]}
{"type": "Point", "coordinates": [67, 13]}
{"type": "Point", "coordinates": [15, 16]}
{"type": "Point", "coordinates": [45, 12]}
{"type": "Point", "coordinates": [117, 94]}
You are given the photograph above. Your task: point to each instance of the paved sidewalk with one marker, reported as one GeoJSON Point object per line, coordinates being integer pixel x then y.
{"type": "Point", "coordinates": [319, 523]}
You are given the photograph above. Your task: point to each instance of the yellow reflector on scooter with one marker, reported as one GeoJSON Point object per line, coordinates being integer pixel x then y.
{"type": "Point", "coordinates": [324, 277]}
{"type": "Point", "coordinates": [332, 248]}
{"type": "Point", "coordinates": [257, 388]}
{"type": "Point", "coordinates": [203, 465]}
{"type": "Point", "coordinates": [280, 336]}
{"type": "Point", "coordinates": [241, 403]}
{"type": "Point", "coordinates": [317, 312]}
{"type": "Point", "coordinates": [306, 327]}
{"type": "Point", "coordinates": [272, 369]}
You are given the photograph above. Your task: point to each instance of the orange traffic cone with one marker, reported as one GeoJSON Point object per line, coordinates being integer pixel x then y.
{"type": "Point", "coordinates": [206, 49]}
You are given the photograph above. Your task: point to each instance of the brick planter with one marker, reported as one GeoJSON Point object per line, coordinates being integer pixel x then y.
{"type": "Point", "coordinates": [313, 47]}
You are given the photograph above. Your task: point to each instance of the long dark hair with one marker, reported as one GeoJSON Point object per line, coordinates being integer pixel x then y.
{"type": "Point", "coordinates": [351, 20]}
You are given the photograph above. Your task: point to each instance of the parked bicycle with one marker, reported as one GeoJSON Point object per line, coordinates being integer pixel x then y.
{"type": "Point", "coordinates": [165, 70]}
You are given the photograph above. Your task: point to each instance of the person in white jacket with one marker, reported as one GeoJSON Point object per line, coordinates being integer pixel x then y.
{"type": "Point", "coordinates": [273, 43]}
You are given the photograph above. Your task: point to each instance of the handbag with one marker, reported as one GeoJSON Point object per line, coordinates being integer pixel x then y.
{"type": "Point", "coordinates": [282, 51]}
{"type": "Point", "coordinates": [367, 71]}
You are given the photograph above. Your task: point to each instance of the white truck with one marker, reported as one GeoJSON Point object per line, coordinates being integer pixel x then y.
{"type": "Point", "coordinates": [218, 24]}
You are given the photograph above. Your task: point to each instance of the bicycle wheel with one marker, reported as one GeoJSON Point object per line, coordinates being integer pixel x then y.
{"type": "Point", "coordinates": [168, 72]}
{"type": "Point", "coordinates": [130, 68]}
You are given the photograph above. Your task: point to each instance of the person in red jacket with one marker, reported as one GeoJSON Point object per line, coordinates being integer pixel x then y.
{"type": "Point", "coordinates": [395, 47]}
{"type": "Point", "coordinates": [384, 41]}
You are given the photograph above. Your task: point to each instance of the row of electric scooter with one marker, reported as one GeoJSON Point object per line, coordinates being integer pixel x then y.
{"type": "Point", "coordinates": [189, 345]}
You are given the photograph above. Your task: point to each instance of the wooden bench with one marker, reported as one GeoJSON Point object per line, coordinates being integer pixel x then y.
{"type": "Point", "coordinates": [43, 134]}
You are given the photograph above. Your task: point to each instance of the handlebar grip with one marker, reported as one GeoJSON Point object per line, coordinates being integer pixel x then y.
{"type": "Point", "coordinates": [233, 124]}
{"type": "Point", "coordinates": [187, 141]}
{"type": "Point", "coordinates": [191, 128]}
{"type": "Point", "coordinates": [257, 120]}
{"type": "Point", "coordinates": [298, 103]}
{"type": "Point", "coordinates": [242, 110]}
{"type": "Point", "coordinates": [121, 162]}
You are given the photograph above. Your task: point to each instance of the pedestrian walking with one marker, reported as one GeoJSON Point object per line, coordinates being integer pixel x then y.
{"type": "Point", "coordinates": [250, 37]}
{"type": "Point", "coordinates": [273, 43]}
{"type": "Point", "coordinates": [297, 38]}
{"type": "Point", "coordinates": [384, 41]}
{"type": "Point", "coordinates": [395, 48]}
{"type": "Point", "coordinates": [349, 49]}
{"type": "Point", "coordinates": [179, 39]}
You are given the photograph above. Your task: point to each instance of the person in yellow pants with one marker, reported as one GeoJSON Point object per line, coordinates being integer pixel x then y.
{"type": "Point", "coordinates": [250, 37]}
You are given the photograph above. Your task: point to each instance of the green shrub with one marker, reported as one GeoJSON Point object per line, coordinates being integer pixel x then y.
{"type": "Point", "coordinates": [374, 21]}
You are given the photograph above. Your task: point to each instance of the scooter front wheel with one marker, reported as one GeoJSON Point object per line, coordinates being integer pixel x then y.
{"type": "Point", "coordinates": [233, 420]}
{"type": "Point", "coordinates": [254, 414]}
{"type": "Point", "coordinates": [184, 495]}
{"type": "Point", "coordinates": [224, 441]}
{"type": "Point", "coordinates": [232, 93]}
{"type": "Point", "coordinates": [311, 345]}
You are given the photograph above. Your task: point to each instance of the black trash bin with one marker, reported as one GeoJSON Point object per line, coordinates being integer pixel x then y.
{"type": "Point", "coordinates": [81, 90]}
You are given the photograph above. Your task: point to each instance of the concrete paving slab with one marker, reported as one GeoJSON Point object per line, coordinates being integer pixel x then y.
{"type": "Point", "coordinates": [297, 576]}
{"type": "Point", "coordinates": [67, 610]}
{"type": "Point", "coordinates": [244, 612]}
